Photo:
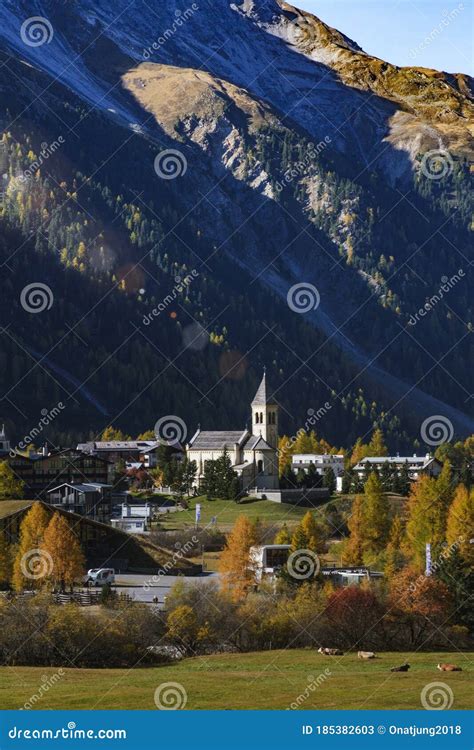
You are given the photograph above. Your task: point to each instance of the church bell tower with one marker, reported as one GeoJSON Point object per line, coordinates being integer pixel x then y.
{"type": "Point", "coordinates": [265, 414]}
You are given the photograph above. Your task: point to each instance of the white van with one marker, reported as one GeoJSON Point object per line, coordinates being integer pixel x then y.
{"type": "Point", "coordinates": [100, 576]}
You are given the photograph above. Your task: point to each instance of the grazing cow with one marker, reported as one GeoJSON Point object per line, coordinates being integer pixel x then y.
{"type": "Point", "coordinates": [402, 668]}
{"type": "Point", "coordinates": [366, 655]}
{"type": "Point", "coordinates": [449, 668]}
{"type": "Point", "coordinates": [330, 651]}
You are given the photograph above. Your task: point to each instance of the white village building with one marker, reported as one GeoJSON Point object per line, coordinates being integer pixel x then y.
{"type": "Point", "coordinates": [253, 453]}
{"type": "Point", "coordinates": [320, 461]}
{"type": "Point", "coordinates": [416, 465]}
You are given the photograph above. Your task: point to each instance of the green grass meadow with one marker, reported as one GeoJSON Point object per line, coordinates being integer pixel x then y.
{"type": "Point", "coordinates": [268, 680]}
{"type": "Point", "coordinates": [226, 513]}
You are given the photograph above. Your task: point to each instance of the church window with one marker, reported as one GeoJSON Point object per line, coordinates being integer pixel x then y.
{"type": "Point", "coordinates": [256, 417]}
{"type": "Point", "coordinates": [260, 466]}
{"type": "Point", "coordinates": [261, 417]}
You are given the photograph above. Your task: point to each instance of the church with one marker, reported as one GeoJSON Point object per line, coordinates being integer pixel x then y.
{"type": "Point", "coordinates": [253, 453]}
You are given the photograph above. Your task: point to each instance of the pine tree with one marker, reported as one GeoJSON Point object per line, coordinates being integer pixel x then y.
{"type": "Point", "coordinates": [460, 524]}
{"type": "Point", "coordinates": [404, 483]}
{"type": "Point", "coordinates": [359, 452]}
{"type": "Point", "coordinates": [394, 558]}
{"type": "Point", "coordinates": [237, 575]}
{"type": "Point", "coordinates": [283, 536]}
{"type": "Point", "coordinates": [5, 561]}
{"type": "Point", "coordinates": [420, 527]}
{"type": "Point", "coordinates": [11, 488]}
{"type": "Point", "coordinates": [285, 451]}
{"type": "Point", "coordinates": [313, 533]}
{"type": "Point", "coordinates": [27, 573]}
{"type": "Point", "coordinates": [445, 493]}
{"type": "Point", "coordinates": [353, 550]}
{"type": "Point", "coordinates": [386, 476]}
{"type": "Point", "coordinates": [64, 550]}
{"type": "Point", "coordinates": [329, 480]}
{"type": "Point", "coordinates": [377, 445]}
{"type": "Point", "coordinates": [348, 480]}
{"type": "Point", "coordinates": [112, 433]}
{"type": "Point", "coordinates": [375, 515]}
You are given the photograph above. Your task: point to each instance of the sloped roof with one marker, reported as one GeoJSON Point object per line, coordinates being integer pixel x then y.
{"type": "Point", "coordinates": [216, 440]}
{"type": "Point", "coordinates": [410, 460]}
{"type": "Point", "coordinates": [262, 397]}
{"type": "Point", "coordinates": [81, 486]}
{"type": "Point", "coordinates": [256, 442]}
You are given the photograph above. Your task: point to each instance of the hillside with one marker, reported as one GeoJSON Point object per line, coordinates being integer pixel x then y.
{"type": "Point", "coordinates": [301, 158]}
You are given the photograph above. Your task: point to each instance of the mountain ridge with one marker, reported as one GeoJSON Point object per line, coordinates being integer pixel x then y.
{"type": "Point", "coordinates": [241, 140]}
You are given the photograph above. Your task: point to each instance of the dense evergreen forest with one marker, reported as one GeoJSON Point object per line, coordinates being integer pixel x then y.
{"type": "Point", "coordinates": [80, 224]}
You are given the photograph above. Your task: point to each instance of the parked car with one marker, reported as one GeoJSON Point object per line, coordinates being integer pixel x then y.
{"type": "Point", "coordinates": [100, 576]}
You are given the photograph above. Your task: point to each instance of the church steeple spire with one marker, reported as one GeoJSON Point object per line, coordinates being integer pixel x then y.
{"type": "Point", "coordinates": [265, 413]}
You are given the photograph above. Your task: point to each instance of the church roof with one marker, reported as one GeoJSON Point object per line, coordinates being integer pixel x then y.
{"type": "Point", "coordinates": [256, 442]}
{"type": "Point", "coordinates": [262, 398]}
{"type": "Point", "coordinates": [216, 440]}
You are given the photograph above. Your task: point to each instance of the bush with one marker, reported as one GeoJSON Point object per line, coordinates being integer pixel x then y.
{"type": "Point", "coordinates": [38, 632]}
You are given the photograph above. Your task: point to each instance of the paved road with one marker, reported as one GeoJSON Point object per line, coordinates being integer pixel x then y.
{"type": "Point", "coordinates": [144, 588]}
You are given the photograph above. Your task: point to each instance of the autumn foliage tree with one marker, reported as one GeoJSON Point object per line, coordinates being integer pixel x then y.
{"type": "Point", "coordinates": [394, 558]}
{"type": "Point", "coordinates": [11, 487]}
{"type": "Point", "coordinates": [26, 573]}
{"type": "Point", "coordinates": [5, 561]}
{"type": "Point", "coordinates": [460, 523]}
{"type": "Point", "coordinates": [283, 536]}
{"type": "Point", "coordinates": [353, 614]}
{"type": "Point", "coordinates": [185, 631]}
{"type": "Point", "coordinates": [369, 524]}
{"type": "Point", "coordinates": [354, 548]}
{"type": "Point", "coordinates": [64, 550]}
{"type": "Point", "coordinates": [422, 603]}
{"type": "Point", "coordinates": [234, 566]}
{"type": "Point", "coordinates": [427, 516]}
{"type": "Point", "coordinates": [376, 517]}
{"type": "Point", "coordinates": [308, 535]}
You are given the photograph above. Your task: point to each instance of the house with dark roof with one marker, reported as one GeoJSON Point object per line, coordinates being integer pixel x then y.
{"type": "Point", "coordinates": [91, 499]}
{"type": "Point", "coordinates": [130, 451]}
{"type": "Point", "coordinates": [253, 453]}
{"type": "Point", "coordinates": [44, 471]}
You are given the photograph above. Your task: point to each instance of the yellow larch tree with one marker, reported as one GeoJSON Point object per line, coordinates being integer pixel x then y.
{"type": "Point", "coordinates": [62, 547]}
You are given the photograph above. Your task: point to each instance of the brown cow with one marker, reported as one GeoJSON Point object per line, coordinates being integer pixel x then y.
{"type": "Point", "coordinates": [449, 668]}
